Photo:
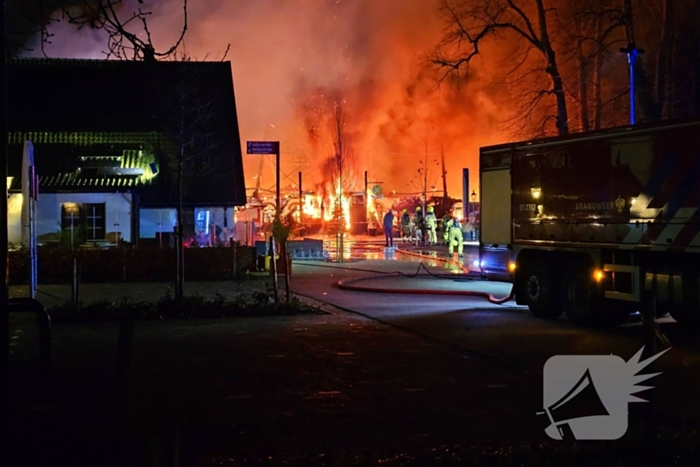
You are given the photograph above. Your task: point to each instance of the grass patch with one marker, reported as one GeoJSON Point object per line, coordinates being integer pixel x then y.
{"type": "Point", "coordinates": [190, 307]}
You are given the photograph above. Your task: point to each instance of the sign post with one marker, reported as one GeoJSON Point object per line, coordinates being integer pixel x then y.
{"type": "Point", "coordinates": [465, 193]}
{"type": "Point", "coordinates": [267, 148]}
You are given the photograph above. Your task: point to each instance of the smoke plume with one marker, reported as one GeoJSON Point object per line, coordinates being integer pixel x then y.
{"type": "Point", "coordinates": [292, 58]}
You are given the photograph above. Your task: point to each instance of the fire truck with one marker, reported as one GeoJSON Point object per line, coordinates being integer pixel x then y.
{"type": "Point", "coordinates": [594, 224]}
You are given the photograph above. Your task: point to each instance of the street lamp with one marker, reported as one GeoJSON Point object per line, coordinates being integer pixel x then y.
{"type": "Point", "coordinates": [473, 196]}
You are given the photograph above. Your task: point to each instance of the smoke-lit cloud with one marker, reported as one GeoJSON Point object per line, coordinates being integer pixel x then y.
{"type": "Point", "coordinates": [290, 56]}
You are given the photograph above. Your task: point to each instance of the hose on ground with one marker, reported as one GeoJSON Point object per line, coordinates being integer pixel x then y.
{"type": "Point", "coordinates": [349, 285]}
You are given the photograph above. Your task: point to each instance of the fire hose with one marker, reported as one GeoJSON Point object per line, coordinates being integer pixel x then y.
{"type": "Point", "coordinates": [351, 285]}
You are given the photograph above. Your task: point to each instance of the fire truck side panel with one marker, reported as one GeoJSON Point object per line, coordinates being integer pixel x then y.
{"type": "Point", "coordinates": [496, 230]}
{"type": "Point", "coordinates": [621, 205]}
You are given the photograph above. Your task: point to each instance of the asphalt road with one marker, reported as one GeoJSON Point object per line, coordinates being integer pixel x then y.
{"type": "Point", "coordinates": [382, 375]}
{"type": "Point", "coordinates": [508, 335]}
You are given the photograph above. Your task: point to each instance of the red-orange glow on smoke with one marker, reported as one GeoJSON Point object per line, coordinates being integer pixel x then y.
{"type": "Point", "coordinates": [290, 58]}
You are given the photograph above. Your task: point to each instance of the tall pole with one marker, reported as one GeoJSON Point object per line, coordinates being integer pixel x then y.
{"type": "Point", "coordinates": [444, 174]}
{"type": "Point", "coordinates": [465, 193]}
{"type": "Point", "coordinates": [366, 197]}
{"type": "Point", "coordinates": [632, 57]}
{"type": "Point", "coordinates": [632, 51]}
{"type": "Point", "coordinates": [301, 201]}
{"type": "Point", "coordinates": [425, 179]}
{"type": "Point", "coordinates": [277, 176]}
{"type": "Point", "coordinates": [366, 183]}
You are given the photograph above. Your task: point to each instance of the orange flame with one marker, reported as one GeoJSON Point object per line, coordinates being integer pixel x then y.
{"type": "Point", "coordinates": [312, 204]}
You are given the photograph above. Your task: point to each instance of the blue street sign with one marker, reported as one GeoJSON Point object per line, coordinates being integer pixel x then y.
{"type": "Point", "coordinates": [263, 147]}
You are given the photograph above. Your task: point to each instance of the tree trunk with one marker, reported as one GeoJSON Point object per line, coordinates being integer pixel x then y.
{"type": "Point", "coordinates": [341, 222]}
{"type": "Point", "coordinates": [286, 262]}
{"type": "Point", "coordinates": [553, 71]}
{"type": "Point", "coordinates": [583, 91]}
{"type": "Point", "coordinates": [597, 77]}
{"type": "Point", "coordinates": [444, 177]}
{"type": "Point", "coordinates": [179, 237]}
{"type": "Point", "coordinates": [663, 59]}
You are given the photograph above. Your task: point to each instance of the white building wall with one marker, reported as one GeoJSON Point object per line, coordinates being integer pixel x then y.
{"type": "Point", "coordinates": [48, 214]}
{"type": "Point", "coordinates": [154, 221]}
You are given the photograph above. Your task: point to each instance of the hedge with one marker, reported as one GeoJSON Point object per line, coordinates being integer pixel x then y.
{"type": "Point", "coordinates": [131, 264]}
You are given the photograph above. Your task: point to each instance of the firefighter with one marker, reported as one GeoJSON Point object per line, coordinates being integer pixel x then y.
{"type": "Point", "coordinates": [388, 228]}
{"type": "Point", "coordinates": [431, 224]}
{"type": "Point", "coordinates": [405, 226]}
{"type": "Point", "coordinates": [445, 228]}
{"type": "Point", "coordinates": [456, 237]}
{"type": "Point", "coordinates": [419, 225]}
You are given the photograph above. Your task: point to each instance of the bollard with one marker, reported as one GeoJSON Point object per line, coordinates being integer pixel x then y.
{"type": "Point", "coordinates": [273, 268]}
{"type": "Point", "coordinates": [44, 320]}
{"type": "Point", "coordinates": [45, 339]}
{"type": "Point", "coordinates": [649, 325]}
{"type": "Point", "coordinates": [125, 369]}
{"type": "Point", "coordinates": [233, 247]}
{"type": "Point", "coordinates": [74, 282]}
{"type": "Point", "coordinates": [75, 289]}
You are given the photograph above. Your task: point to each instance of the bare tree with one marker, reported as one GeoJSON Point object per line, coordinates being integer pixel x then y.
{"type": "Point", "coordinates": [648, 106]}
{"type": "Point", "coordinates": [340, 169]}
{"type": "Point", "coordinates": [593, 30]}
{"type": "Point", "coordinates": [122, 41]}
{"type": "Point", "coordinates": [426, 177]}
{"type": "Point", "coordinates": [663, 59]}
{"type": "Point", "coordinates": [128, 34]}
{"type": "Point", "coordinates": [188, 122]}
{"type": "Point", "coordinates": [472, 22]}
{"type": "Point", "coordinates": [26, 20]}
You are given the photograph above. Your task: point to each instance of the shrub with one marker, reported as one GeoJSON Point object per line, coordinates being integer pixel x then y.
{"type": "Point", "coordinates": [191, 307]}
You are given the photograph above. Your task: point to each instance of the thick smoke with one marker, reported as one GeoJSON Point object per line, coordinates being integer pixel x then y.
{"type": "Point", "coordinates": [292, 58]}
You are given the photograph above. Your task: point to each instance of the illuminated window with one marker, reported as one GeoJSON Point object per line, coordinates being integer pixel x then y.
{"type": "Point", "coordinates": [84, 219]}
{"type": "Point", "coordinates": [95, 221]}
{"type": "Point", "coordinates": [202, 217]}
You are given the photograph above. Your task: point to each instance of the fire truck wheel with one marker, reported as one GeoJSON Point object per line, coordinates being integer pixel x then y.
{"type": "Point", "coordinates": [541, 291]}
{"type": "Point", "coordinates": [583, 299]}
{"type": "Point", "coordinates": [579, 294]}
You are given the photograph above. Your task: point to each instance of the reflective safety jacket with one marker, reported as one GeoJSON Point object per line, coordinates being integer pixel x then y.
{"type": "Point", "coordinates": [431, 220]}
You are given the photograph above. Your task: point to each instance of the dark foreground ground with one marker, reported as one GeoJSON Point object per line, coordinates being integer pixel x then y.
{"type": "Point", "coordinates": [334, 389]}
{"type": "Point", "coordinates": [315, 390]}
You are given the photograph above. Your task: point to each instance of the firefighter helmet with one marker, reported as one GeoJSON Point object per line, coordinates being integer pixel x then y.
{"type": "Point", "coordinates": [417, 208]}
{"type": "Point", "coordinates": [431, 209]}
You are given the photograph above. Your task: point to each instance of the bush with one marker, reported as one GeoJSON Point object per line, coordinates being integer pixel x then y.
{"type": "Point", "coordinates": [190, 307]}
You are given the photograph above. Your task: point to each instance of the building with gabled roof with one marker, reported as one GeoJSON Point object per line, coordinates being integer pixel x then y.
{"type": "Point", "coordinates": [108, 138]}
